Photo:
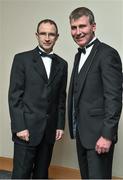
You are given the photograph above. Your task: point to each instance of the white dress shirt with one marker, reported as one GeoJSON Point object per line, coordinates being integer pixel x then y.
{"type": "Point", "coordinates": [83, 56]}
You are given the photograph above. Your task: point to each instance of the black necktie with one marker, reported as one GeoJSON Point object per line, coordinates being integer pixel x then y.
{"type": "Point", "coordinates": [83, 50]}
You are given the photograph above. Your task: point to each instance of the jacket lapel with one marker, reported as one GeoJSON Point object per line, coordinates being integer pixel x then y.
{"type": "Point", "coordinates": [71, 87]}
{"type": "Point", "coordinates": [85, 69]}
{"type": "Point", "coordinates": [39, 65]}
{"type": "Point", "coordinates": [40, 68]}
{"type": "Point", "coordinates": [70, 94]}
{"type": "Point", "coordinates": [54, 69]}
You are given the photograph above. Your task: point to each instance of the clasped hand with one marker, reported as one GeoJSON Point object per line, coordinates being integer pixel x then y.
{"type": "Point", "coordinates": [24, 135]}
{"type": "Point", "coordinates": [103, 145]}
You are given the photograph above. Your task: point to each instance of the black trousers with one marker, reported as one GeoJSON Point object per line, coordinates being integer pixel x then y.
{"type": "Point", "coordinates": [93, 165]}
{"type": "Point", "coordinates": [32, 162]}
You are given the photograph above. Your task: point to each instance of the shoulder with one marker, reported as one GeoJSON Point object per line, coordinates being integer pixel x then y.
{"type": "Point", "coordinates": [107, 48]}
{"type": "Point", "coordinates": [61, 60]}
{"type": "Point", "coordinates": [108, 55]}
{"type": "Point", "coordinates": [23, 57]}
{"type": "Point", "coordinates": [25, 53]}
{"type": "Point", "coordinates": [106, 52]}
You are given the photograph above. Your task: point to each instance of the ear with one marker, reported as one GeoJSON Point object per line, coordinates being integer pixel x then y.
{"type": "Point", "coordinates": [94, 27]}
{"type": "Point", "coordinates": [57, 36]}
{"type": "Point", "coordinates": [36, 34]}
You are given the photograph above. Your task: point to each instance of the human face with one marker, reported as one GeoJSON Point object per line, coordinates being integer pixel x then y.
{"type": "Point", "coordinates": [82, 31]}
{"type": "Point", "coordinates": [47, 36]}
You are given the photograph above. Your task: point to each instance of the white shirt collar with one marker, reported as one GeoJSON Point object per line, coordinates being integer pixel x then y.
{"type": "Point", "coordinates": [92, 40]}
{"type": "Point", "coordinates": [45, 51]}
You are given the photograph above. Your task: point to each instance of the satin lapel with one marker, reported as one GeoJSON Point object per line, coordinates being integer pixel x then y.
{"type": "Point", "coordinates": [39, 66]}
{"type": "Point", "coordinates": [85, 69]}
{"type": "Point", "coordinates": [77, 57]}
{"type": "Point", "coordinates": [71, 86]}
{"type": "Point", "coordinates": [54, 69]}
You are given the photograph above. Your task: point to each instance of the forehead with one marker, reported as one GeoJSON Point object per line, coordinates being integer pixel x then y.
{"type": "Point", "coordinates": [81, 20]}
{"type": "Point", "coordinates": [47, 27]}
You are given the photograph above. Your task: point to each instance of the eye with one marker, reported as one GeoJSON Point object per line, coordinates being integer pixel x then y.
{"type": "Point", "coordinates": [42, 33]}
{"type": "Point", "coordinates": [73, 27]}
{"type": "Point", "coordinates": [82, 26]}
{"type": "Point", "coordinates": [47, 34]}
{"type": "Point", "coordinates": [52, 34]}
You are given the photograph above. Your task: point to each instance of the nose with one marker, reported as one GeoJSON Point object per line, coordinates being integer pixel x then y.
{"type": "Point", "coordinates": [78, 31]}
{"type": "Point", "coordinates": [47, 37]}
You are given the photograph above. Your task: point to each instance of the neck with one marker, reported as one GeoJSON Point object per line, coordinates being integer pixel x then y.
{"type": "Point", "coordinates": [89, 42]}
{"type": "Point", "coordinates": [45, 50]}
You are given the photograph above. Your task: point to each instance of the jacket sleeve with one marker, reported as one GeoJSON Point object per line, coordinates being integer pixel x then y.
{"type": "Point", "coordinates": [15, 96]}
{"type": "Point", "coordinates": [62, 99]}
{"type": "Point", "coordinates": [111, 69]}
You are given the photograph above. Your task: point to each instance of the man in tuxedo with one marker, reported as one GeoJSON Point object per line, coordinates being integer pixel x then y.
{"type": "Point", "coordinates": [37, 98]}
{"type": "Point", "coordinates": [95, 97]}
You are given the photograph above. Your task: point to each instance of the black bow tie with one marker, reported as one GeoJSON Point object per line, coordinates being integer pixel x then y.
{"type": "Point", "coordinates": [83, 50]}
{"type": "Point", "coordinates": [44, 54]}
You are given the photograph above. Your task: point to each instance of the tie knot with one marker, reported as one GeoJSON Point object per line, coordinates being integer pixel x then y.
{"type": "Point", "coordinates": [44, 54]}
{"type": "Point", "coordinates": [82, 50]}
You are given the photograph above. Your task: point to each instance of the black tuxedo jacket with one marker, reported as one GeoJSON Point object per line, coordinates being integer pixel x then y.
{"type": "Point", "coordinates": [36, 103]}
{"type": "Point", "coordinates": [98, 95]}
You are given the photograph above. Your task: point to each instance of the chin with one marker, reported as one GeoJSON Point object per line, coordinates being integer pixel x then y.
{"type": "Point", "coordinates": [81, 44]}
{"type": "Point", "coordinates": [47, 48]}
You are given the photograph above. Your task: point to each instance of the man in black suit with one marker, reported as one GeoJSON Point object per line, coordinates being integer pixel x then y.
{"type": "Point", "coordinates": [37, 98]}
{"type": "Point", "coordinates": [95, 97]}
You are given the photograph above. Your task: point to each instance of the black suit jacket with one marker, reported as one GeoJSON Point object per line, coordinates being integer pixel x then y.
{"type": "Point", "coordinates": [36, 103]}
{"type": "Point", "coordinates": [98, 95]}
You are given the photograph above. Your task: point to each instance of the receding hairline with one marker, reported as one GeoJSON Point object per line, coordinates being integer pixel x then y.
{"type": "Point", "coordinates": [45, 21]}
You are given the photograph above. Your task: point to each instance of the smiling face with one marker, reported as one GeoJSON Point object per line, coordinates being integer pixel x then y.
{"type": "Point", "coordinates": [82, 31]}
{"type": "Point", "coordinates": [47, 36]}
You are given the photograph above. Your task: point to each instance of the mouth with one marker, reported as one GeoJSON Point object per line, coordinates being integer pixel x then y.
{"type": "Point", "coordinates": [79, 40]}
{"type": "Point", "coordinates": [47, 44]}
{"type": "Point", "coordinates": [80, 37]}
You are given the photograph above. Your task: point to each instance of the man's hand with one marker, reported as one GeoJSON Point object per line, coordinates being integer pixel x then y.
{"type": "Point", "coordinates": [24, 135]}
{"type": "Point", "coordinates": [59, 134]}
{"type": "Point", "coordinates": [103, 145]}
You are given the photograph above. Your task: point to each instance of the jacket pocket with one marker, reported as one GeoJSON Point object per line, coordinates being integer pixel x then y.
{"type": "Point", "coordinates": [96, 112]}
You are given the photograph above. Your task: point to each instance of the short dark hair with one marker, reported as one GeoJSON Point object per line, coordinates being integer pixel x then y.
{"type": "Point", "coordinates": [47, 21]}
{"type": "Point", "coordinates": [82, 11]}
